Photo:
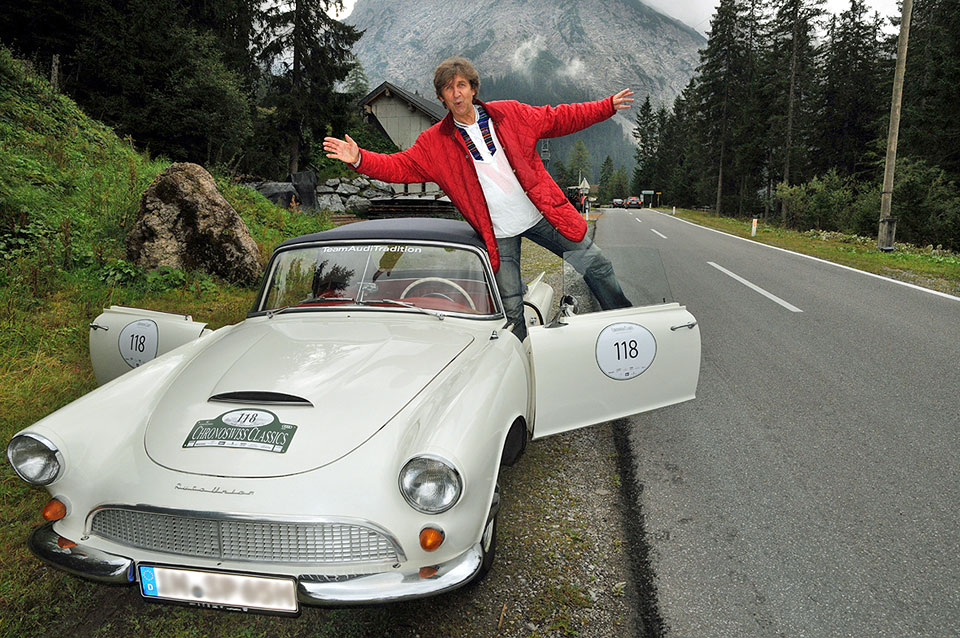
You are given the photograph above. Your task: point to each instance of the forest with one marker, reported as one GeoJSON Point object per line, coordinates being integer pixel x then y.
{"type": "Point", "coordinates": [236, 85]}
{"type": "Point", "coordinates": [786, 119]}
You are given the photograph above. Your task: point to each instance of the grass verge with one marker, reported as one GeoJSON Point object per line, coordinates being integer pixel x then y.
{"type": "Point", "coordinates": [928, 266]}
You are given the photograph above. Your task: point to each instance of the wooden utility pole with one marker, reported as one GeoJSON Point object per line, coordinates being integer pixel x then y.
{"type": "Point", "coordinates": [888, 223]}
{"type": "Point", "coordinates": [55, 72]}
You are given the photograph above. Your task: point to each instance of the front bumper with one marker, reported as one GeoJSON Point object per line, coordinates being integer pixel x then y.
{"type": "Point", "coordinates": [103, 567]}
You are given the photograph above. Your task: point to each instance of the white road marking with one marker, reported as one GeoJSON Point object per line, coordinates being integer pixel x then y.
{"type": "Point", "coordinates": [822, 261]}
{"type": "Point", "coordinates": [658, 233]}
{"type": "Point", "coordinates": [756, 288]}
{"type": "Point", "coordinates": [638, 219]}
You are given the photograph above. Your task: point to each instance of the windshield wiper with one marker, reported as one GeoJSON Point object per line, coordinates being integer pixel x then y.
{"type": "Point", "coordinates": [277, 311]}
{"type": "Point", "coordinates": [439, 315]}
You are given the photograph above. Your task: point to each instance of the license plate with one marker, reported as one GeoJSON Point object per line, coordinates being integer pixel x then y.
{"type": "Point", "coordinates": [219, 590]}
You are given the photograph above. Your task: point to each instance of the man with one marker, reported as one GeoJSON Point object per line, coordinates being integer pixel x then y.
{"type": "Point", "coordinates": [484, 157]}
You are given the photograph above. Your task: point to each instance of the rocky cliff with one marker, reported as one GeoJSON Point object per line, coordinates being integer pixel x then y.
{"type": "Point", "coordinates": [598, 46]}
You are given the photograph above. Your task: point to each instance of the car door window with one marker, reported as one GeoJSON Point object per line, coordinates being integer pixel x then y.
{"type": "Point", "coordinates": [638, 271]}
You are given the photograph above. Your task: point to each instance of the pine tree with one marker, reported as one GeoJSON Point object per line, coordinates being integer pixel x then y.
{"type": "Point", "coordinates": [853, 100]}
{"type": "Point", "coordinates": [681, 150]}
{"type": "Point", "coordinates": [579, 163]}
{"type": "Point", "coordinates": [606, 175]}
{"type": "Point", "coordinates": [930, 121]}
{"type": "Point", "coordinates": [792, 68]}
{"type": "Point", "coordinates": [356, 85]}
{"type": "Point", "coordinates": [718, 89]}
{"type": "Point", "coordinates": [645, 133]}
{"type": "Point", "coordinates": [660, 166]}
{"type": "Point", "coordinates": [233, 24]}
{"type": "Point", "coordinates": [749, 134]}
{"type": "Point", "coordinates": [312, 52]}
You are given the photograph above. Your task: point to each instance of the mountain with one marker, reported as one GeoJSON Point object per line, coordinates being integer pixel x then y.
{"type": "Point", "coordinates": [537, 51]}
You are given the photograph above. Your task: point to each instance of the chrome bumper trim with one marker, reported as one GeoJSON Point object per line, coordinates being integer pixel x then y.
{"type": "Point", "coordinates": [358, 590]}
{"type": "Point", "coordinates": [79, 560]}
{"type": "Point", "coordinates": [392, 586]}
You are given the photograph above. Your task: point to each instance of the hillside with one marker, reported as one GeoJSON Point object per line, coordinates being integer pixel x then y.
{"type": "Point", "coordinates": [70, 188]}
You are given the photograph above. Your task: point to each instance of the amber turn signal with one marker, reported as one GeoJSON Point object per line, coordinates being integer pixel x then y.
{"type": "Point", "coordinates": [54, 510]}
{"type": "Point", "coordinates": [65, 543]}
{"type": "Point", "coordinates": [428, 572]}
{"type": "Point", "coordinates": [431, 538]}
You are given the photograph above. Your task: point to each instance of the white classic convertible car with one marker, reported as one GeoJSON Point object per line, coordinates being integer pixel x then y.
{"type": "Point", "coordinates": [342, 444]}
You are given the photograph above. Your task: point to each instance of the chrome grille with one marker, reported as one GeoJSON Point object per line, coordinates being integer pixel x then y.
{"type": "Point", "coordinates": [324, 543]}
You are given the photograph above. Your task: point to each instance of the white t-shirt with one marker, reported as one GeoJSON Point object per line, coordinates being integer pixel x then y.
{"type": "Point", "coordinates": [511, 211]}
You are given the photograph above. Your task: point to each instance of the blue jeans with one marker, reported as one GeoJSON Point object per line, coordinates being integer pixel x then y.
{"type": "Point", "coordinates": [584, 255]}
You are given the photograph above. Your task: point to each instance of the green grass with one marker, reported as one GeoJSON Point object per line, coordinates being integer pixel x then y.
{"type": "Point", "coordinates": [923, 266]}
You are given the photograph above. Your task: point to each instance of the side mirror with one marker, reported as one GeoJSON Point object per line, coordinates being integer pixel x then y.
{"type": "Point", "coordinates": [568, 307]}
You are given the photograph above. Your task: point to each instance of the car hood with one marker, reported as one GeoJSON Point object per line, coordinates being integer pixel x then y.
{"type": "Point", "coordinates": [300, 393]}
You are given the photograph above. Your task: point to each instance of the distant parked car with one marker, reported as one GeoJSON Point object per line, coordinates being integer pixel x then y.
{"type": "Point", "coordinates": [633, 202]}
{"type": "Point", "coordinates": [618, 203]}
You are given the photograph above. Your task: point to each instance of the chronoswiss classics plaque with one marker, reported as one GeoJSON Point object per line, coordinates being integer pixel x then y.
{"type": "Point", "coordinates": [243, 429]}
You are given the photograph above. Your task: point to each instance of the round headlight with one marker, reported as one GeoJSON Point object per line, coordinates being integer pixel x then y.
{"type": "Point", "coordinates": [430, 484]}
{"type": "Point", "coordinates": [35, 459]}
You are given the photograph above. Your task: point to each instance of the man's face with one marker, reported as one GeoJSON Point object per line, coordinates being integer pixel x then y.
{"type": "Point", "coordinates": [458, 97]}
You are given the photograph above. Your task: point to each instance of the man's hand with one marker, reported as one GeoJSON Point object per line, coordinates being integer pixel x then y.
{"type": "Point", "coordinates": [622, 100]}
{"type": "Point", "coordinates": [345, 151]}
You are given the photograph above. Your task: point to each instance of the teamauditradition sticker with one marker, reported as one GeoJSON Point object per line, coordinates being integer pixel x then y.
{"type": "Point", "coordinates": [246, 429]}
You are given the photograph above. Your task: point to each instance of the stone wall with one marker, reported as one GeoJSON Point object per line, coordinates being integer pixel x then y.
{"type": "Point", "coordinates": [342, 194]}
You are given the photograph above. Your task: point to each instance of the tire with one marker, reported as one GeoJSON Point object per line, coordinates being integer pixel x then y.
{"type": "Point", "coordinates": [488, 542]}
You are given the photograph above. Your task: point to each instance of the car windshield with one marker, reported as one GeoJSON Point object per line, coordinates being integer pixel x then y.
{"type": "Point", "coordinates": [395, 276]}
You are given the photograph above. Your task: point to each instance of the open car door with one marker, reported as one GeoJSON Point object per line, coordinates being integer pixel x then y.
{"type": "Point", "coordinates": [591, 368]}
{"type": "Point", "coordinates": [122, 338]}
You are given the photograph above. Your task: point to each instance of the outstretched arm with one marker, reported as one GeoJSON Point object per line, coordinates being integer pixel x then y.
{"type": "Point", "coordinates": [565, 119]}
{"type": "Point", "coordinates": [394, 168]}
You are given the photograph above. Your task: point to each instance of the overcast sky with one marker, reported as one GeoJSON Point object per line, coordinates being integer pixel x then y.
{"type": "Point", "coordinates": [697, 13]}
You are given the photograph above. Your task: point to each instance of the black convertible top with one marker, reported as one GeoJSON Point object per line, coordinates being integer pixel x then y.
{"type": "Point", "coordinates": [397, 229]}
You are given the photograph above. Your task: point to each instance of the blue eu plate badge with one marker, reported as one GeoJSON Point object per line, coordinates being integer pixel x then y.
{"type": "Point", "coordinates": [148, 581]}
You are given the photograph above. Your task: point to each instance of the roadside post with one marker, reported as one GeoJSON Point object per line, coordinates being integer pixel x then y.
{"type": "Point", "coordinates": [753, 231]}
{"type": "Point", "coordinates": [584, 191]}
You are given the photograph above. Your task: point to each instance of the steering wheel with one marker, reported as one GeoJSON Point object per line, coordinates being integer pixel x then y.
{"type": "Point", "coordinates": [439, 280]}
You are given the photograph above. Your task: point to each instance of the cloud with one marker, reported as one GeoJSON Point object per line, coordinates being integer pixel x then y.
{"type": "Point", "coordinates": [574, 69]}
{"type": "Point", "coordinates": [523, 58]}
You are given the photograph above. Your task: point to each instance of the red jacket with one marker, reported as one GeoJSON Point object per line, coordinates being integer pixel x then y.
{"type": "Point", "coordinates": [440, 155]}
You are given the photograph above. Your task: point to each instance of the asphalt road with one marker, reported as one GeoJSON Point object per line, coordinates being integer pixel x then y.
{"type": "Point", "coordinates": [812, 488]}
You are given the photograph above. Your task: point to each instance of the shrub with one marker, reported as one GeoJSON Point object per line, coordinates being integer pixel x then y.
{"type": "Point", "coordinates": [925, 202]}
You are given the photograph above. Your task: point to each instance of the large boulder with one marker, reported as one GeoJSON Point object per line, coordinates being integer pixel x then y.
{"type": "Point", "coordinates": [184, 222]}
